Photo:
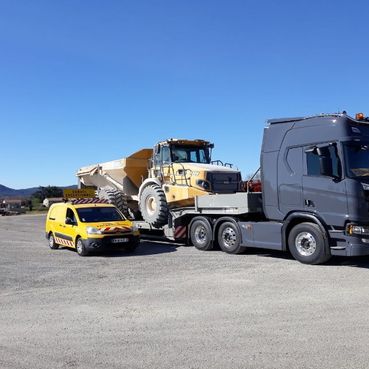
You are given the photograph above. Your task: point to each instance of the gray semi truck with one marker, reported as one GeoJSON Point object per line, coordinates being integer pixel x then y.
{"type": "Point", "coordinates": [314, 200]}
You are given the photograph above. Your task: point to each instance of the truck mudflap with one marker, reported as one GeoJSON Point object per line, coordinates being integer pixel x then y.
{"type": "Point", "coordinates": [345, 245]}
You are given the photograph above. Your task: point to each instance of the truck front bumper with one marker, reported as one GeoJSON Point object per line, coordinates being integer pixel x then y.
{"type": "Point", "coordinates": [345, 245]}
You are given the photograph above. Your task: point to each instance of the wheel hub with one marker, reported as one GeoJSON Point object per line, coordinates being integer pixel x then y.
{"type": "Point", "coordinates": [305, 243]}
{"type": "Point", "coordinates": [151, 205]}
{"type": "Point", "coordinates": [200, 235]}
{"type": "Point", "coordinates": [229, 237]}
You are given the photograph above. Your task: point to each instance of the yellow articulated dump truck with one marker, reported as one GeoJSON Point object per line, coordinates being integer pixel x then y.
{"type": "Point", "coordinates": [150, 182]}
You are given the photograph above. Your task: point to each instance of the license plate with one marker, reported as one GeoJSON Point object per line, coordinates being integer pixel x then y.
{"type": "Point", "coordinates": [119, 240]}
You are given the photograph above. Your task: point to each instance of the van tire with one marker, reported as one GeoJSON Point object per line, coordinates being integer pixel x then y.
{"type": "Point", "coordinates": [115, 197]}
{"type": "Point", "coordinates": [80, 247]}
{"type": "Point", "coordinates": [52, 244]}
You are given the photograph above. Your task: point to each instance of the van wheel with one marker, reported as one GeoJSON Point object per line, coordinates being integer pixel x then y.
{"type": "Point", "coordinates": [229, 238]}
{"type": "Point", "coordinates": [52, 243]}
{"type": "Point", "coordinates": [308, 244]}
{"type": "Point", "coordinates": [80, 247]}
{"type": "Point", "coordinates": [201, 235]}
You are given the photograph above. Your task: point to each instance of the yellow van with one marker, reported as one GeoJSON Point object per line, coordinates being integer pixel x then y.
{"type": "Point", "coordinates": [89, 227]}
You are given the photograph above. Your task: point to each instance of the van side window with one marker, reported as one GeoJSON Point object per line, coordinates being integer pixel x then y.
{"type": "Point", "coordinates": [313, 162]}
{"type": "Point", "coordinates": [70, 214]}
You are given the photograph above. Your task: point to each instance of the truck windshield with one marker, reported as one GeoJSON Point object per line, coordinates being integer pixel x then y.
{"type": "Point", "coordinates": [99, 214]}
{"type": "Point", "coordinates": [190, 154]}
{"type": "Point", "coordinates": [357, 159]}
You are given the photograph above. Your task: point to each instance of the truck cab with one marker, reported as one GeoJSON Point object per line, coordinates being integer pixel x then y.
{"type": "Point", "coordinates": [316, 169]}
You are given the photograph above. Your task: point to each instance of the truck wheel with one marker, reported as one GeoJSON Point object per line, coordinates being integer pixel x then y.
{"type": "Point", "coordinates": [153, 206]}
{"type": "Point", "coordinates": [52, 243]}
{"type": "Point", "coordinates": [115, 197]}
{"type": "Point", "coordinates": [229, 238]}
{"type": "Point", "coordinates": [201, 235]}
{"type": "Point", "coordinates": [80, 248]}
{"type": "Point", "coordinates": [308, 245]}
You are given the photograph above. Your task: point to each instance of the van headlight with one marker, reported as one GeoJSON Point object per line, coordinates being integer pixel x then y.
{"type": "Point", "coordinates": [93, 230]}
{"type": "Point", "coordinates": [134, 228]}
{"type": "Point", "coordinates": [352, 229]}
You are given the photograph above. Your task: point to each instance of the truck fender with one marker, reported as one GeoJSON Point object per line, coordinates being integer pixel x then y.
{"type": "Point", "coordinates": [300, 217]}
{"type": "Point", "coordinates": [221, 220]}
{"type": "Point", "coordinates": [147, 182]}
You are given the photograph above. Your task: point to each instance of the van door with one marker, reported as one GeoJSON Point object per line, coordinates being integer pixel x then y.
{"type": "Point", "coordinates": [67, 232]}
{"type": "Point", "coordinates": [324, 191]}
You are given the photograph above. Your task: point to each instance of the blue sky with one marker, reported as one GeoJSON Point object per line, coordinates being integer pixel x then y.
{"type": "Point", "coordinates": [90, 81]}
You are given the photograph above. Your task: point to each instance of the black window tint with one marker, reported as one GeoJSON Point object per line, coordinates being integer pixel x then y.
{"type": "Point", "coordinates": [313, 166]}
{"type": "Point", "coordinates": [70, 214]}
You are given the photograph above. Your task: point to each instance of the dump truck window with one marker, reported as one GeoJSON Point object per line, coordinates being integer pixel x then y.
{"type": "Point", "coordinates": [165, 154]}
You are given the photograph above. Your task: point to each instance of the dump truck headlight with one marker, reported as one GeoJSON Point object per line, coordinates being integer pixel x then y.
{"type": "Point", "coordinates": [93, 230]}
{"type": "Point", "coordinates": [204, 184]}
{"type": "Point", "coordinates": [352, 229]}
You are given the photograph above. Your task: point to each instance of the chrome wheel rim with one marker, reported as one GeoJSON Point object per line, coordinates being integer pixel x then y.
{"type": "Point", "coordinates": [200, 235]}
{"type": "Point", "coordinates": [229, 237]}
{"type": "Point", "coordinates": [79, 247]}
{"type": "Point", "coordinates": [305, 244]}
{"type": "Point", "coordinates": [51, 240]}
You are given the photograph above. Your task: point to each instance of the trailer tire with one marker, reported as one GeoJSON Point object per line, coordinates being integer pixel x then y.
{"type": "Point", "coordinates": [153, 206]}
{"type": "Point", "coordinates": [308, 244]}
{"type": "Point", "coordinates": [201, 234]}
{"type": "Point", "coordinates": [229, 238]}
{"type": "Point", "coordinates": [115, 197]}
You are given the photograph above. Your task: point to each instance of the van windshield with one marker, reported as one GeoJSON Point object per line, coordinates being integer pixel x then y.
{"type": "Point", "coordinates": [357, 159]}
{"type": "Point", "coordinates": [99, 214]}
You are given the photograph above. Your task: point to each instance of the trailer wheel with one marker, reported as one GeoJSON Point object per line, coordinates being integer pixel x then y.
{"type": "Point", "coordinates": [308, 244]}
{"type": "Point", "coordinates": [229, 238]}
{"type": "Point", "coordinates": [201, 235]}
{"type": "Point", "coordinates": [114, 197]}
{"type": "Point", "coordinates": [154, 206]}
{"type": "Point", "coordinates": [52, 244]}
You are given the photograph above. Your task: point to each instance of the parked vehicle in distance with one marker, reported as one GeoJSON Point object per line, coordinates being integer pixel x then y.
{"type": "Point", "coordinates": [89, 225]}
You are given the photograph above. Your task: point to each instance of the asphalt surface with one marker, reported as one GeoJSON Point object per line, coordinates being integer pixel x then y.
{"type": "Point", "coordinates": [170, 306]}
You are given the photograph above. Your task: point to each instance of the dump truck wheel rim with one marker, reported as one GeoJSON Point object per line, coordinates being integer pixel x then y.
{"type": "Point", "coordinates": [229, 237]}
{"type": "Point", "coordinates": [305, 244]}
{"type": "Point", "coordinates": [151, 205]}
{"type": "Point", "coordinates": [200, 235]}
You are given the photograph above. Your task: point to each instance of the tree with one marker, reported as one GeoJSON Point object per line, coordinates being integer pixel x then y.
{"type": "Point", "coordinates": [46, 192]}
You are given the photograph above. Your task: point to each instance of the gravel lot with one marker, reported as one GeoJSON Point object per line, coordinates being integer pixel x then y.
{"type": "Point", "coordinates": [168, 306]}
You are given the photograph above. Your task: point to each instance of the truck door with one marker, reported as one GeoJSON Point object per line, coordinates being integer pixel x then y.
{"type": "Point", "coordinates": [324, 191]}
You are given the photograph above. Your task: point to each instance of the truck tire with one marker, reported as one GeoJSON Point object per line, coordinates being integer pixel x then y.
{"type": "Point", "coordinates": [201, 234]}
{"type": "Point", "coordinates": [308, 244]}
{"type": "Point", "coordinates": [154, 206]}
{"type": "Point", "coordinates": [115, 197]}
{"type": "Point", "coordinates": [229, 238]}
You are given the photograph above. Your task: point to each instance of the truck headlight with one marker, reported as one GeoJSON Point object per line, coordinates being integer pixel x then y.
{"type": "Point", "coordinates": [204, 184]}
{"type": "Point", "coordinates": [93, 230]}
{"type": "Point", "coordinates": [352, 229]}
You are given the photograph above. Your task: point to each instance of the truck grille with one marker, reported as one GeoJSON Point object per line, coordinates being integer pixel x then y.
{"type": "Point", "coordinates": [224, 182]}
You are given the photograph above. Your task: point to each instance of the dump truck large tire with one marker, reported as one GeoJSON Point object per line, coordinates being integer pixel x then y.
{"type": "Point", "coordinates": [154, 206]}
{"type": "Point", "coordinates": [114, 197]}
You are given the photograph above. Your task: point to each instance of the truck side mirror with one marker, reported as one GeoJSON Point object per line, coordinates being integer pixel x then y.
{"type": "Point", "coordinates": [326, 168]}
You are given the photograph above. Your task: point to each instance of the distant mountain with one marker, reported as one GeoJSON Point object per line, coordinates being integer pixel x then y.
{"type": "Point", "coordinates": [26, 192]}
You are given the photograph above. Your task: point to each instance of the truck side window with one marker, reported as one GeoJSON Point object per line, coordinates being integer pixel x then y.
{"type": "Point", "coordinates": [313, 161]}
{"type": "Point", "coordinates": [70, 215]}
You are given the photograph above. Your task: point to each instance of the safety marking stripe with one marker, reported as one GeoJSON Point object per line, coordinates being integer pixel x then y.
{"type": "Point", "coordinates": [63, 242]}
{"type": "Point", "coordinates": [180, 232]}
